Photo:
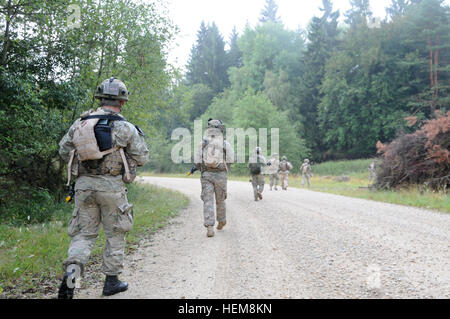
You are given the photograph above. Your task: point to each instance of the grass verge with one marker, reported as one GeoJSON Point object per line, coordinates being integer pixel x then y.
{"type": "Point", "coordinates": [31, 256]}
{"type": "Point", "coordinates": [357, 186]}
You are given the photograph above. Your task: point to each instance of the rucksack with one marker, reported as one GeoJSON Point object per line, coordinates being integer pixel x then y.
{"type": "Point", "coordinates": [92, 136]}
{"type": "Point", "coordinates": [213, 153]}
{"type": "Point", "coordinates": [256, 168]}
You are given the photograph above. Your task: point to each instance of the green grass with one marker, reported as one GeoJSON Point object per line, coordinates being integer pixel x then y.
{"type": "Point", "coordinates": [31, 256]}
{"type": "Point", "coordinates": [324, 181]}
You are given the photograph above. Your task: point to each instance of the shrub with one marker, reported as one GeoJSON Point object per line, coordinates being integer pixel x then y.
{"type": "Point", "coordinates": [418, 158]}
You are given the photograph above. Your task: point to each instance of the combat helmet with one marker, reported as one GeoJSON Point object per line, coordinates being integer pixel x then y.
{"type": "Point", "coordinates": [284, 158]}
{"type": "Point", "coordinates": [216, 124]}
{"type": "Point", "coordinates": [307, 161]}
{"type": "Point", "coordinates": [112, 89]}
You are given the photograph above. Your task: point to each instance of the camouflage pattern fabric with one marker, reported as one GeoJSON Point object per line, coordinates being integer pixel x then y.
{"type": "Point", "coordinates": [305, 169]}
{"type": "Point", "coordinates": [214, 189]}
{"type": "Point", "coordinates": [258, 184]}
{"type": "Point", "coordinates": [284, 176]}
{"type": "Point", "coordinates": [101, 198]}
{"type": "Point", "coordinates": [274, 180]}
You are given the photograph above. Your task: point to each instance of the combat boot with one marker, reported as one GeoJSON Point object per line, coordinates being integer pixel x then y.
{"type": "Point", "coordinates": [210, 232]}
{"type": "Point", "coordinates": [64, 291]}
{"type": "Point", "coordinates": [113, 286]}
{"type": "Point", "coordinates": [221, 225]}
{"type": "Point", "coordinates": [260, 196]}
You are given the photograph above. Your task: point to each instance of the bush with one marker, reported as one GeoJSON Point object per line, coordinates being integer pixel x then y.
{"type": "Point", "coordinates": [418, 158]}
{"type": "Point", "coordinates": [29, 205]}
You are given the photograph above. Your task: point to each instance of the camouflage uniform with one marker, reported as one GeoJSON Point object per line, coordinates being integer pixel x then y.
{"type": "Point", "coordinates": [258, 179]}
{"type": "Point", "coordinates": [305, 169]}
{"type": "Point", "coordinates": [285, 167]}
{"type": "Point", "coordinates": [214, 183]}
{"type": "Point", "coordinates": [101, 197]}
{"type": "Point", "coordinates": [372, 172]}
{"type": "Point", "coordinates": [273, 172]}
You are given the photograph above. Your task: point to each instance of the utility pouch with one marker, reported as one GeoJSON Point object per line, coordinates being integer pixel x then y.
{"type": "Point", "coordinates": [103, 135]}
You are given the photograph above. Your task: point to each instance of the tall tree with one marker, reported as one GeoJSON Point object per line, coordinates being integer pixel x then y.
{"type": "Point", "coordinates": [208, 61]}
{"type": "Point", "coordinates": [322, 41]}
{"type": "Point", "coordinates": [234, 54]}
{"type": "Point", "coordinates": [270, 12]}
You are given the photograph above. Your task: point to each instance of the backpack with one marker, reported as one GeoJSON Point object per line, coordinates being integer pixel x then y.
{"type": "Point", "coordinates": [213, 153]}
{"type": "Point", "coordinates": [256, 168]}
{"type": "Point", "coordinates": [92, 136]}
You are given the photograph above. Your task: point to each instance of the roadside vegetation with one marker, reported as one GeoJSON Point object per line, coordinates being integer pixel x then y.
{"type": "Point", "coordinates": [31, 254]}
{"type": "Point", "coordinates": [326, 176]}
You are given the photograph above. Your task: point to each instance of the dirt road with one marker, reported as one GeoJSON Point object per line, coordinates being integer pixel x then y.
{"type": "Point", "coordinates": [294, 244]}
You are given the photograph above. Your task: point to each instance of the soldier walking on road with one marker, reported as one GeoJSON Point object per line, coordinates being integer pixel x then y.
{"type": "Point", "coordinates": [256, 164]}
{"type": "Point", "coordinates": [214, 158]}
{"type": "Point", "coordinates": [103, 151]}
{"type": "Point", "coordinates": [372, 172]}
{"type": "Point", "coordinates": [305, 169]}
{"type": "Point", "coordinates": [273, 171]}
{"type": "Point", "coordinates": [285, 168]}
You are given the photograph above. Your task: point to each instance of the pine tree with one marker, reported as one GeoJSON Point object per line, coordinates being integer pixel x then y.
{"type": "Point", "coordinates": [269, 13]}
{"type": "Point", "coordinates": [234, 54]}
{"type": "Point", "coordinates": [208, 61]}
{"type": "Point", "coordinates": [322, 37]}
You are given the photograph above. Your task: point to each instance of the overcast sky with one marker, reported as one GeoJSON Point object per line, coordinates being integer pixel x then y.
{"type": "Point", "coordinates": [188, 15]}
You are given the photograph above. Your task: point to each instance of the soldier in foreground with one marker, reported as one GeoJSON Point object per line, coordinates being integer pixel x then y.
{"type": "Point", "coordinates": [103, 151]}
{"type": "Point", "coordinates": [285, 168]}
{"type": "Point", "coordinates": [305, 169]}
{"type": "Point", "coordinates": [214, 158]}
{"type": "Point", "coordinates": [256, 165]}
{"type": "Point", "coordinates": [273, 171]}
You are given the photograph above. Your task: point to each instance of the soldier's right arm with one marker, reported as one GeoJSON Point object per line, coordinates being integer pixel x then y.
{"type": "Point", "coordinates": [137, 148]}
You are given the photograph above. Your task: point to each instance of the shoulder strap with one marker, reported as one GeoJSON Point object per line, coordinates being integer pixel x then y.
{"type": "Point", "coordinates": [104, 117]}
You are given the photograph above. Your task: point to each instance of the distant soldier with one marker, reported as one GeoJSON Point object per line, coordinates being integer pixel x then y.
{"type": "Point", "coordinates": [214, 158]}
{"type": "Point", "coordinates": [372, 172]}
{"type": "Point", "coordinates": [273, 171]}
{"type": "Point", "coordinates": [305, 169]}
{"type": "Point", "coordinates": [285, 168]}
{"type": "Point", "coordinates": [103, 151]}
{"type": "Point", "coordinates": [257, 165]}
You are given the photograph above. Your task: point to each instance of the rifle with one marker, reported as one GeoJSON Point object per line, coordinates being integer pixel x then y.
{"type": "Point", "coordinates": [193, 170]}
{"type": "Point", "coordinates": [71, 193]}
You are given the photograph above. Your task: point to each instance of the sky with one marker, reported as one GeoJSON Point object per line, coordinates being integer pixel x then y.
{"type": "Point", "coordinates": [188, 15]}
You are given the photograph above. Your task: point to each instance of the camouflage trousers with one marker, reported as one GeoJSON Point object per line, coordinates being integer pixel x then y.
{"type": "Point", "coordinates": [92, 208]}
{"type": "Point", "coordinates": [306, 178]}
{"type": "Point", "coordinates": [284, 179]}
{"type": "Point", "coordinates": [258, 184]}
{"type": "Point", "coordinates": [214, 186]}
{"type": "Point", "coordinates": [274, 180]}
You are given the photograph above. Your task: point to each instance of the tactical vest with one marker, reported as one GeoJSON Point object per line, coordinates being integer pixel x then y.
{"type": "Point", "coordinates": [94, 149]}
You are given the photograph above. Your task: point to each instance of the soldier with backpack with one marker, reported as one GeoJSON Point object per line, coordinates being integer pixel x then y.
{"type": "Point", "coordinates": [214, 158]}
{"type": "Point", "coordinates": [103, 151]}
{"type": "Point", "coordinates": [285, 168]}
{"type": "Point", "coordinates": [256, 165]}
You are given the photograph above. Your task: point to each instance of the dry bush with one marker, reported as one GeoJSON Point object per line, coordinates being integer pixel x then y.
{"type": "Point", "coordinates": [421, 158]}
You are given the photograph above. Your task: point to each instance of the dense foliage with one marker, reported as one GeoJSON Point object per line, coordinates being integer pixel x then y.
{"type": "Point", "coordinates": [51, 60]}
{"type": "Point", "coordinates": [346, 82]}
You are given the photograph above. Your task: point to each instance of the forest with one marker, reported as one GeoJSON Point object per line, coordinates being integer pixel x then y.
{"type": "Point", "coordinates": [346, 83]}
{"type": "Point", "coordinates": [335, 89]}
